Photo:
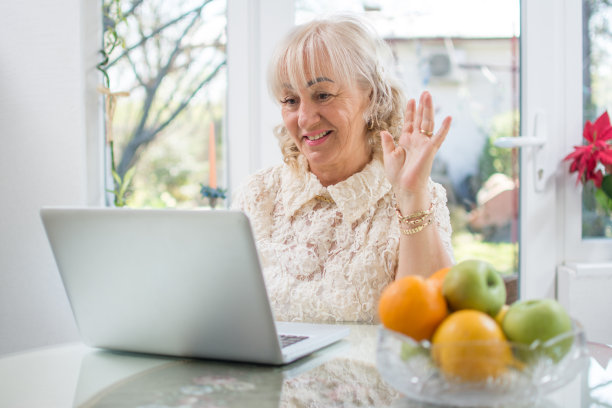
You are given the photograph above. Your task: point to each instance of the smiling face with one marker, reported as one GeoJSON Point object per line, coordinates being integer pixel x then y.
{"type": "Point", "coordinates": [325, 120]}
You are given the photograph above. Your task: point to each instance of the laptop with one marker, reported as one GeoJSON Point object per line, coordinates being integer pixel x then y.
{"type": "Point", "coordinates": [182, 283]}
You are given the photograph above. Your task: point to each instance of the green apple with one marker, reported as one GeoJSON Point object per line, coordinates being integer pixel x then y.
{"type": "Point", "coordinates": [474, 284]}
{"type": "Point", "coordinates": [410, 350]}
{"type": "Point", "coordinates": [540, 320]}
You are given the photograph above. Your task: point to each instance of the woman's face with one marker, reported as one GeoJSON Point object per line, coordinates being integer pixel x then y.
{"type": "Point", "coordinates": [325, 119]}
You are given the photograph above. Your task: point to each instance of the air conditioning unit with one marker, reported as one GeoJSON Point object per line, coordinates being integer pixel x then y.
{"type": "Point", "coordinates": [440, 65]}
{"type": "Point", "coordinates": [443, 64]}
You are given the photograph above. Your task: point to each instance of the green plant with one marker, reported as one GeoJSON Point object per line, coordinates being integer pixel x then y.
{"type": "Point", "coordinates": [113, 16]}
{"type": "Point", "coordinates": [592, 161]}
{"type": "Point", "coordinates": [212, 194]}
{"type": "Point", "coordinates": [121, 186]}
{"type": "Point", "coordinates": [496, 159]}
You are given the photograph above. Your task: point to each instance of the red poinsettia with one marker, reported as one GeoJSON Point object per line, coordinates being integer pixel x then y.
{"type": "Point", "coordinates": [598, 150]}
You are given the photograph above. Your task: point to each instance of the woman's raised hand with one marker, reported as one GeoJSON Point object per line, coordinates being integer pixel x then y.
{"type": "Point", "coordinates": [408, 164]}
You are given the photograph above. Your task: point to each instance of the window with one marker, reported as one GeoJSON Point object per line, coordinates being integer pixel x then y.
{"type": "Point", "coordinates": [170, 129]}
{"type": "Point", "coordinates": [471, 67]}
{"type": "Point", "coordinates": [597, 98]}
{"type": "Point", "coordinates": [585, 62]}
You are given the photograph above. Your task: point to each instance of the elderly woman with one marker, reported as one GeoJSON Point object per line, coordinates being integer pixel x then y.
{"type": "Point", "coordinates": [352, 207]}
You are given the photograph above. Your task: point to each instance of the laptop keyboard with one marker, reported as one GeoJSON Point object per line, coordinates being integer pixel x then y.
{"type": "Point", "coordinates": [287, 340]}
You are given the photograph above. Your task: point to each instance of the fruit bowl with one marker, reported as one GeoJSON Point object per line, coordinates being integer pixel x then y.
{"type": "Point", "coordinates": [528, 373]}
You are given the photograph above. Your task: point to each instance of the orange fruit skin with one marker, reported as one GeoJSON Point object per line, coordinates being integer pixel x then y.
{"type": "Point", "coordinates": [412, 306]}
{"type": "Point", "coordinates": [437, 278]}
{"type": "Point", "coordinates": [469, 345]}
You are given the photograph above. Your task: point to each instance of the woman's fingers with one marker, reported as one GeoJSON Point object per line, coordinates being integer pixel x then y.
{"type": "Point", "coordinates": [427, 120]}
{"type": "Point", "coordinates": [439, 137]}
{"type": "Point", "coordinates": [418, 117]}
{"type": "Point", "coordinates": [393, 155]}
{"type": "Point", "coordinates": [388, 145]}
{"type": "Point", "coordinates": [409, 116]}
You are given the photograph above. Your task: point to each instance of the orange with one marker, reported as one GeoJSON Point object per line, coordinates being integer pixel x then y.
{"type": "Point", "coordinates": [438, 276]}
{"type": "Point", "coordinates": [469, 345]}
{"type": "Point", "coordinates": [412, 306]}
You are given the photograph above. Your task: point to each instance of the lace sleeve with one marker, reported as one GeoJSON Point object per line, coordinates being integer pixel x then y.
{"type": "Point", "coordinates": [442, 216]}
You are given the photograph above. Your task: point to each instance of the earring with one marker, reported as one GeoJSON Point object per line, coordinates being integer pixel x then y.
{"type": "Point", "coordinates": [370, 124]}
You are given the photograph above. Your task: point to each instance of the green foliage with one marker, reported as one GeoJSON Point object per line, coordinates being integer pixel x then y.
{"type": "Point", "coordinates": [606, 185]}
{"type": "Point", "coordinates": [503, 255]}
{"type": "Point", "coordinates": [596, 212]}
{"type": "Point", "coordinates": [210, 192]}
{"type": "Point", "coordinates": [603, 200]}
{"type": "Point", "coordinates": [113, 16]}
{"type": "Point", "coordinates": [603, 195]}
{"type": "Point", "coordinates": [496, 159]}
{"type": "Point", "coordinates": [122, 186]}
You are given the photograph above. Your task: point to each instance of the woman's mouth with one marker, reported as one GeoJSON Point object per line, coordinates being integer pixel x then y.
{"type": "Point", "coordinates": [316, 138]}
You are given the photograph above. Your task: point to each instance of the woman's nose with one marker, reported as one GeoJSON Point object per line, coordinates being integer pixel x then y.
{"type": "Point", "coordinates": [307, 115]}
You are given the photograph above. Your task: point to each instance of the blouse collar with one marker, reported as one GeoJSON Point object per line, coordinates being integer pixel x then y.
{"type": "Point", "coordinates": [353, 196]}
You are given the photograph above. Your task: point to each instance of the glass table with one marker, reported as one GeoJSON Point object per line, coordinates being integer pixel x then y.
{"type": "Point", "coordinates": [341, 375]}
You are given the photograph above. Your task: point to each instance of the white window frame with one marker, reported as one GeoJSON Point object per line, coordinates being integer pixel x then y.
{"type": "Point", "coordinates": [91, 41]}
{"type": "Point", "coordinates": [254, 27]}
{"type": "Point", "coordinates": [542, 70]}
{"type": "Point", "coordinates": [550, 225]}
{"type": "Point", "coordinates": [551, 221]}
{"type": "Point", "coordinates": [577, 249]}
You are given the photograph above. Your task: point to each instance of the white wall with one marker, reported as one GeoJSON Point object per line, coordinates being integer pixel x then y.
{"type": "Point", "coordinates": [42, 162]}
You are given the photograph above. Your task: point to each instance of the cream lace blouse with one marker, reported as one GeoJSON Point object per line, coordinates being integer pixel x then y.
{"type": "Point", "coordinates": [328, 252]}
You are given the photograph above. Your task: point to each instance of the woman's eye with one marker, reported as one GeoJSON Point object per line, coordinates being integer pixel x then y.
{"type": "Point", "coordinates": [323, 96]}
{"type": "Point", "coordinates": [289, 100]}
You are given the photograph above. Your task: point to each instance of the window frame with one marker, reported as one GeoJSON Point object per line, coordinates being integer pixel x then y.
{"type": "Point", "coordinates": [551, 222]}
{"type": "Point", "coordinates": [577, 249]}
{"type": "Point", "coordinates": [255, 28]}
{"type": "Point", "coordinates": [256, 25]}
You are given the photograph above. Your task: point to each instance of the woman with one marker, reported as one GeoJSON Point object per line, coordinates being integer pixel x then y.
{"type": "Point", "coordinates": [335, 223]}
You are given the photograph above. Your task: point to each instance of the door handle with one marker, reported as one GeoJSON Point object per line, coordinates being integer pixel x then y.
{"type": "Point", "coordinates": [542, 168]}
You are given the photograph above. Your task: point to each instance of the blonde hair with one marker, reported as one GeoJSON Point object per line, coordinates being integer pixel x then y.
{"type": "Point", "coordinates": [355, 54]}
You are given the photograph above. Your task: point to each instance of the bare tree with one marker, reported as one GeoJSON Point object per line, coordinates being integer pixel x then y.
{"type": "Point", "coordinates": [170, 59]}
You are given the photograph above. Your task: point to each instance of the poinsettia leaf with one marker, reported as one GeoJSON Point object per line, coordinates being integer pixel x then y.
{"type": "Point", "coordinates": [605, 156]}
{"type": "Point", "coordinates": [597, 178]}
{"type": "Point", "coordinates": [587, 132]}
{"type": "Point", "coordinates": [606, 134]}
{"type": "Point", "coordinates": [578, 151]}
{"type": "Point", "coordinates": [602, 122]}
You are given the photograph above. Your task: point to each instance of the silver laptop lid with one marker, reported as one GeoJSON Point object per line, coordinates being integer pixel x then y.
{"type": "Point", "coordinates": [177, 282]}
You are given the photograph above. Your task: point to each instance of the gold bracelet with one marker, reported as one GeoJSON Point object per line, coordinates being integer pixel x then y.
{"type": "Point", "coordinates": [415, 229]}
{"type": "Point", "coordinates": [415, 221]}
{"type": "Point", "coordinates": [419, 214]}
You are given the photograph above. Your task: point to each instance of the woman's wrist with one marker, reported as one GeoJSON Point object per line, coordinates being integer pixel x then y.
{"type": "Point", "coordinates": [414, 212]}
{"type": "Point", "coordinates": [411, 202]}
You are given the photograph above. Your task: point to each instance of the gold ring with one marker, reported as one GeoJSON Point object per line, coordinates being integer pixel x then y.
{"type": "Point", "coordinates": [426, 133]}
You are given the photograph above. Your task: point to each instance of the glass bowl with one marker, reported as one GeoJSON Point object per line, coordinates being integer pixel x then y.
{"type": "Point", "coordinates": [527, 374]}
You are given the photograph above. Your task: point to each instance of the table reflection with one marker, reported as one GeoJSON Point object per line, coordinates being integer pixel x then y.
{"type": "Point", "coordinates": [314, 382]}
{"type": "Point", "coordinates": [342, 375]}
